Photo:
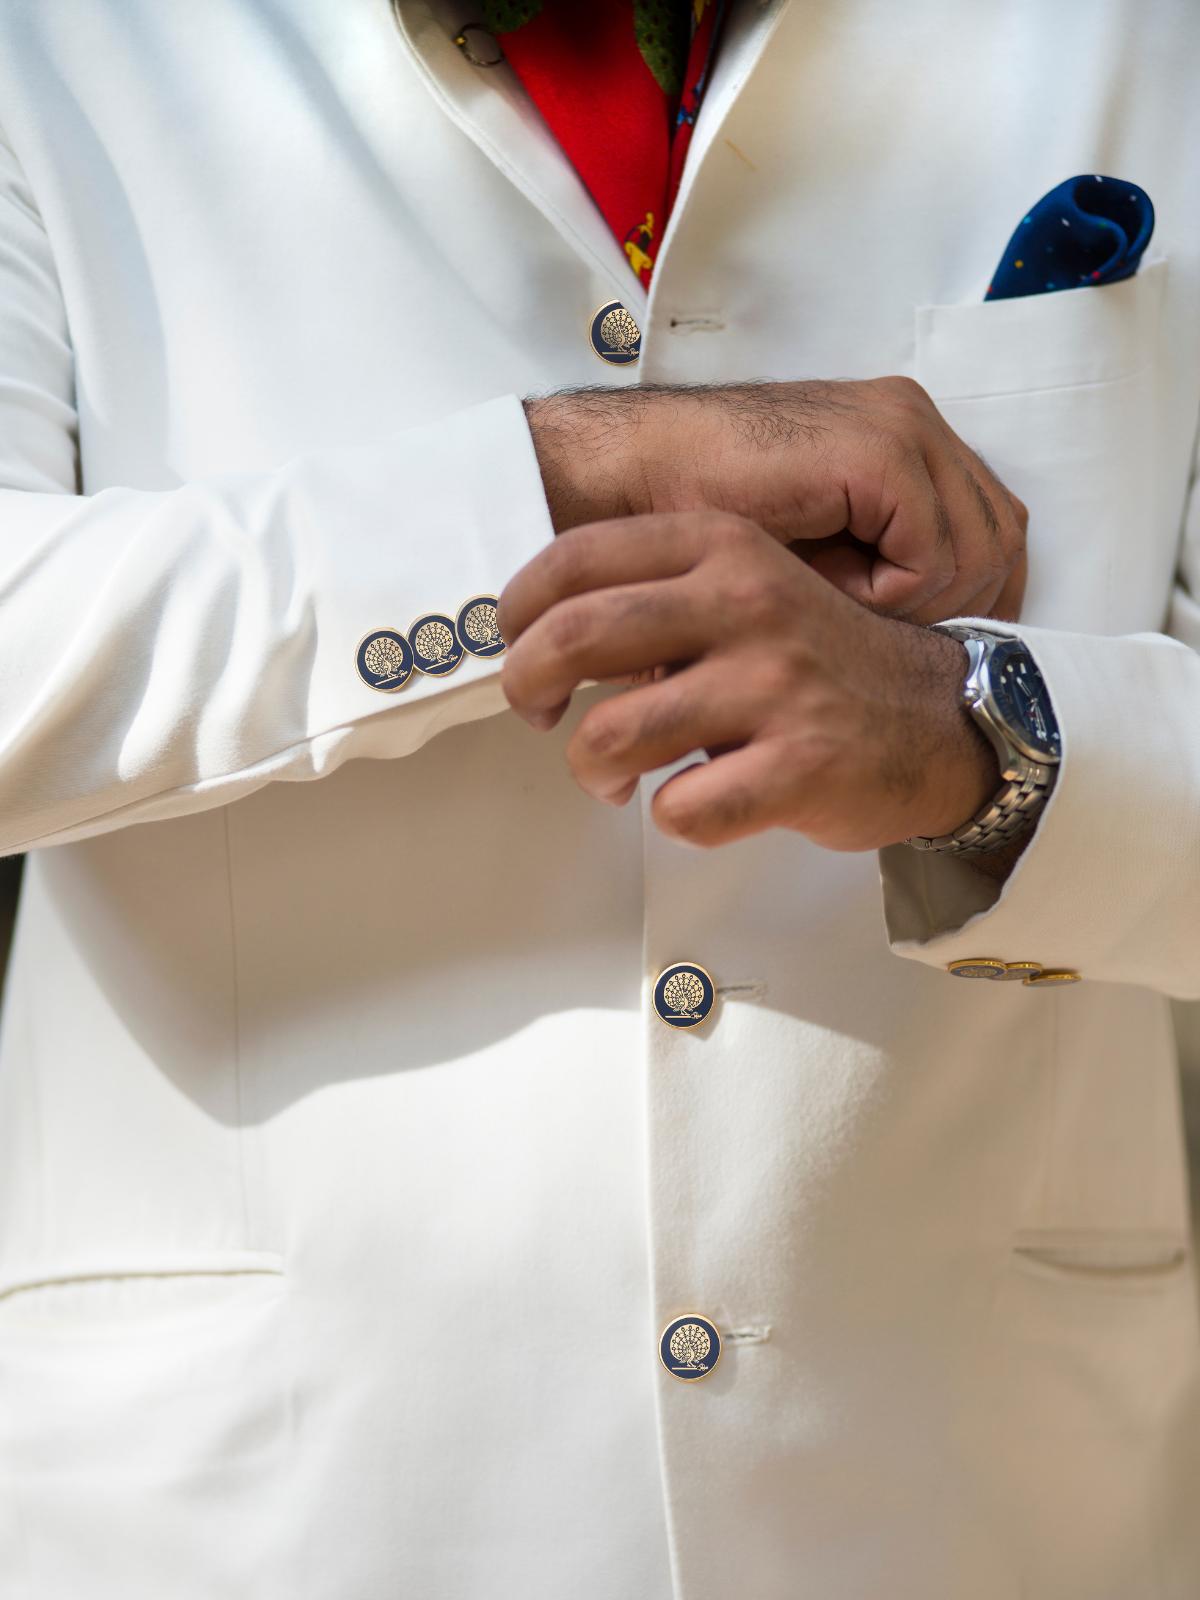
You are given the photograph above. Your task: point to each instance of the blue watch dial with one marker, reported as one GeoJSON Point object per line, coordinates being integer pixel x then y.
{"type": "Point", "coordinates": [1021, 697]}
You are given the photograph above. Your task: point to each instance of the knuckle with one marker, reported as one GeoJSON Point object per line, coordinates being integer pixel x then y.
{"type": "Point", "coordinates": [681, 817]}
{"type": "Point", "coordinates": [754, 599]}
{"type": "Point", "coordinates": [774, 678]}
{"type": "Point", "coordinates": [905, 394]}
{"type": "Point", "coordinates": [571, 630]}
{"type": "Point", "coordinates": [565, 558]}
{"type": "Point", "coordinates": [605, 735]}
{"type": "Point", "coordinates": [730, 531]}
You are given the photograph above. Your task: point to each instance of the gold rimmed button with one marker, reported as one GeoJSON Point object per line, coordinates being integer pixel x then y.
{"type": "Point", "coordinates": [683, 995]}
{"type": "Point", "coordinates": [614, 335]}
{"type": "Point", "coordinates": [689, 1347]}
{"type": "Point", "coordinates": [1019, 971]}
{"type": "Point", "coordinates": [977, 967]}
{"type": "Point", "coordinates": [1051, 980]}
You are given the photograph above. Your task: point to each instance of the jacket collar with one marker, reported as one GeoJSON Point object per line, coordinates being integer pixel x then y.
{"type": "Point", "coordinates": [493, 108]}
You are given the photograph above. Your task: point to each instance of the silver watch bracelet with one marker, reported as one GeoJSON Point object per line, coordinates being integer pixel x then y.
{"type": "Point", "coordinates": [1007, 816]}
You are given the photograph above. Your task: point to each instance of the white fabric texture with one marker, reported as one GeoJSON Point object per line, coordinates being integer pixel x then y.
{"type": "Point", "coordinates": [346, 1177]}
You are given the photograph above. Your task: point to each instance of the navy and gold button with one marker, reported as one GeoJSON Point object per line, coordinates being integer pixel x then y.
{"type": "Point", "coordinates": [1030, 974]}
{"type": "Point", "coordinates": [977, 967]}
{"type": "Point", "coordinates": [615, 336]}
{"type": "Point", "coordinates": [690, 1348]}
{"type": "Point", "coordinates": [683, 995]}
{"type": "Point", "coordinates": [436, 647]}
{"type": "Point", "coordinates": [1019, 971]}
{"type": "Point", "coordinates": [384, 659]}
{"type": "Point", "coordinates": [478, 626]}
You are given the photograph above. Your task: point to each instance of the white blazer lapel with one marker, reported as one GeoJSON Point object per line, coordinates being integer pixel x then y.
{"type": "Point", "coordinates": [494, 109]}
{"type": "Point", "coordinates": [750, 26]}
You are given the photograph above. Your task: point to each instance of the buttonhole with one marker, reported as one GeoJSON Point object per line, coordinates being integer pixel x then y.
{"type": "Point", "coordinates": [699, 324]}
{"type": "Point", "coordinates": [750, 1335]}
{"type": "Point", "coordinates": [751, 989]}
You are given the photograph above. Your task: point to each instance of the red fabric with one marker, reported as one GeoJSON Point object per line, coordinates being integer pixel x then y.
{"type": "Point", "coordinates": [699, 69]}
{"type": "Point", "coordinates": [581, 63]}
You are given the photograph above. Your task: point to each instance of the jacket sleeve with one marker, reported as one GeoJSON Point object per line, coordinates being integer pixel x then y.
{"type": "Point", "coordinates": [163, 652]}
{"type": "Point", "coordinates": [1109, 886]}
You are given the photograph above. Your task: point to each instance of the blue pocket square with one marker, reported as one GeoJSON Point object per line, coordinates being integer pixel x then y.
{"type": "Point", "coordinates": [1088, 230]}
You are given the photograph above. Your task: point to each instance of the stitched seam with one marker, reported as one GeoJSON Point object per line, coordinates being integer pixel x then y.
{"type": "Point", "coordinates": [1051, 388]}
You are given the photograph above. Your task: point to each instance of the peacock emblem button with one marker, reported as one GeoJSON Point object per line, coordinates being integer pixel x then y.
{"type": "Point", "coordinates": [683, 995]}
{"type": "Point", "coordinates": [478, 626]}
{"type": "Point", "coordinates": [690, 1347]}
{"type": "Point", "coordinates": [435, 645]}
{"type": "Point", "coordinates": [384, 659]}
{"type": "Point", "coordinates": [615, 336]}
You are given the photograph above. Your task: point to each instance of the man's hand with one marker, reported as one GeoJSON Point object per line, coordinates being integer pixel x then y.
{"type": "Point", "coordinates": [820, 715]}
{"type": "Point", "coordinates": [864, 479]}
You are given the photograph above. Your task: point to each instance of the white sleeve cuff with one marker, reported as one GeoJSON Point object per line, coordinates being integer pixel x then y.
{"type": "Point", "coordinates": [168, 652]}
{"type": "Point", "coordinates": [1109, 886]}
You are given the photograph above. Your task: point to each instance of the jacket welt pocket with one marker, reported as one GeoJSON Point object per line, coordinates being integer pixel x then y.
{"type": "Point", "coordinates": [76, 1295]}
{"type": "Point", "coordinates": [1070, 339]}
{"type": "Point", "coordinates": [1131, 1258]}
{"type": "Point", "coordinates": [1064, 395]}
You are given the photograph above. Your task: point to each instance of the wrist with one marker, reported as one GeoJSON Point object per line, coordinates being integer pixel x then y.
{"type": "Point", "coordinates": [591, 455]}
{"type": "Point", "coordinates": [1007, 698]}
{"type": "Point", "coordinates": [966, 772]}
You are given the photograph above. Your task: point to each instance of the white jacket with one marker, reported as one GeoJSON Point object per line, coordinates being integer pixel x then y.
{"type": "Point", "coordinates": [346, 1178]}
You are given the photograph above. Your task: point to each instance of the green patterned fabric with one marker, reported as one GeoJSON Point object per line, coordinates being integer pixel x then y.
{"type": "Point", "coordinates": [502, 16]}
{"type": "Point", "coordinates": [663, 32]}
{"type": "Point", "coordinates": [662, 29]}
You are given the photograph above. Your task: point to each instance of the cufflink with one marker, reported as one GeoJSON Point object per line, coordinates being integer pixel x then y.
{"type": "Point", "coordinates": [384, 660]}
{"type": "Point", "coordinates": [690, 1347]}
{"type": "Point", "coordinates": [436, 647]}
{"type": "Point", "coordinates": [614, 335]}
{"type": "Point", "coordinates": [478, 627]}
{"type": "Point", "coordinates": [1051, 980]}
{"type": "Point", "coordinates": [683, 995]}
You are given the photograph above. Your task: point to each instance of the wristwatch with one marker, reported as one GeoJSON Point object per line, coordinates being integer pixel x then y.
{"type": "Point", "coordinates": [1007, 696]}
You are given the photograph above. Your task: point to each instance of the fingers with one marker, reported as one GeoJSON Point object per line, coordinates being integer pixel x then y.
{"type": "Point", "coordinates": [945, 532]}
{"type": "Point", "coordinates": [706, 578]}
{"type": "Point", "coordinates": [764, 785]}
{"type": "Point", "coordinates": [626, 551]}
{"type": "Point", "coordinates": [1007, 606]}
{"type": "Point", "coordinates": [704, 708]}
{"type": "Point", "coordinates": [930, 533]}
{"type": "Point", "coordinates": [607, 634]}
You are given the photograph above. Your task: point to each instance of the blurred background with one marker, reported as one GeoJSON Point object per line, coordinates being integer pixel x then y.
{"type": "Point", "coordinates": [1187, 1030]}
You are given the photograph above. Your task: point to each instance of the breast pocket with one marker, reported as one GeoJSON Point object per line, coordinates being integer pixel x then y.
{"type": "Point", "coordinates": [1063, 395]}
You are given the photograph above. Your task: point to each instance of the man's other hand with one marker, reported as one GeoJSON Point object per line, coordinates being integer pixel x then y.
{"type": "Point", "coordinates": [865, 480]}
{"type": "Point", "coordinates": [819, 715]}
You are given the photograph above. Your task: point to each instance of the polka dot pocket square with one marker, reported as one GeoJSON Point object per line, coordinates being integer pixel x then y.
{"type": "Point", "coordinates": [1089, 230]}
